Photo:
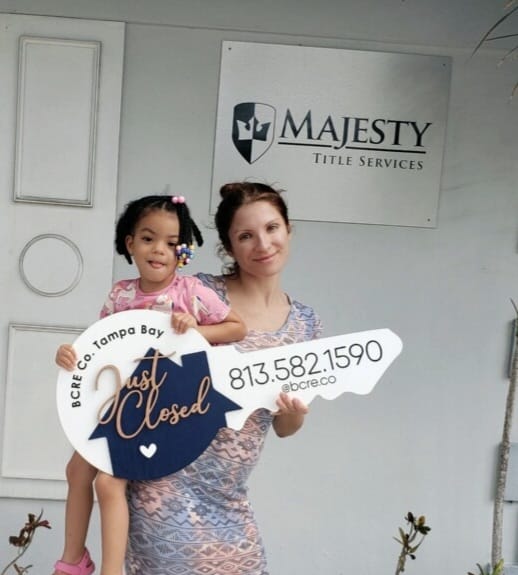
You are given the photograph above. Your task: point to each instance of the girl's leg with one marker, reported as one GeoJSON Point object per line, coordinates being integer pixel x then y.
{"type": "Point", "coordinates": [80, 476]}
{"type": "Point", "coordinates": [111, 494]}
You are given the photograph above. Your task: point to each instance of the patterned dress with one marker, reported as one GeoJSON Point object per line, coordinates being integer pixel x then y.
{"type": "Point", "coordinates": [198, 521]}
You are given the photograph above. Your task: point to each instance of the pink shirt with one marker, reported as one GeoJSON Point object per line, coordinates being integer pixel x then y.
{"type": "Point", "coordinates": [186, 293]}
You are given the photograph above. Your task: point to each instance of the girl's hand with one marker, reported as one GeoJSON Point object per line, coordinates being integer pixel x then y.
{"type": "Point", "coordinates": [66, 357]}
{"type": "Point", "coordinates": [181, 322]}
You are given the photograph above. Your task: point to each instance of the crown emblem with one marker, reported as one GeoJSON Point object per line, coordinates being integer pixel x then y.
{"type": "Point", "coordinates": [253, 129]}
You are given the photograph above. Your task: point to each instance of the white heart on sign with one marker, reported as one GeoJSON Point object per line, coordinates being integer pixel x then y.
{"type": "Point", "coordinates": [148, 451]}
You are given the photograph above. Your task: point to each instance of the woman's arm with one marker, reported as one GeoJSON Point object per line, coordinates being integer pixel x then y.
{"type": "Point", "coordinates": [288, 419]}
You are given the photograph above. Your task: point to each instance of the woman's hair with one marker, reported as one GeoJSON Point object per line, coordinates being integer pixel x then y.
{"type": "Point", "coordinates": [237, 194]}
{"type": "Point", "coordinates": [137, 209]}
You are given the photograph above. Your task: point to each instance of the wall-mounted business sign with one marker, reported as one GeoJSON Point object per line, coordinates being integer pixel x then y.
{"type": "Point", "coordinates": [353, 136]}
{"type": "Point", "coordinates": [144, 402]}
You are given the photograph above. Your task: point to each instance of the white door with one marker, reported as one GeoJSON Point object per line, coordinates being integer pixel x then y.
{"type": "Point", "coordinates": [60, 98]}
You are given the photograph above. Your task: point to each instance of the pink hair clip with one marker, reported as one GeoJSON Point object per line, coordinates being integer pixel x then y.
{"type": "Point", "coordinates": [178, 199]}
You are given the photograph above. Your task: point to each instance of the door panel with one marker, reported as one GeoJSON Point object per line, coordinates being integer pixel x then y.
{"type": "Point", "coordinates": [60, 101]}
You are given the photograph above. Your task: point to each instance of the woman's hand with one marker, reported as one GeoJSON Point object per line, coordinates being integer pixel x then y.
{"type": "Point", "coordinates": [289, 416]}
{"type": "Point", "coordinates": [181, 322]}
{"type": "Point", "coordinates": [290, 405]}
{"type": "Point", "coordinates": [66, 357]}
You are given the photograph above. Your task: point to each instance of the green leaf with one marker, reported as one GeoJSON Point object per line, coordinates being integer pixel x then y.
{"type": "Point", "coordinates": [486, 37]}
{"type": "Point", "coordinates": [499, 568]}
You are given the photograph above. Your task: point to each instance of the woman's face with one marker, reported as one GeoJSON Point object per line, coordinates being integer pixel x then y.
{"type": "Point", "coordinates": [259, 239]}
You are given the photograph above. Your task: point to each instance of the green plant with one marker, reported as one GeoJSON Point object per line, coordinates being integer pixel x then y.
{"type": "Point", "coordinates": [498, 569]}
{"type": "Point", "coordinates": [417, 529]}
{"type": "Point", "coordinates": [23, 540]}
{"type": "Point", "coordinates": [491, 35]}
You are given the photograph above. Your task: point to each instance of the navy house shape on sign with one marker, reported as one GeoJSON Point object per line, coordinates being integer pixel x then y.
{"type": "Point", "coordinates": [151, 446]}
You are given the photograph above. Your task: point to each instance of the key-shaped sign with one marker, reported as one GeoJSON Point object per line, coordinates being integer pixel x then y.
{"type": "Point", "coordinates": [144, 402]}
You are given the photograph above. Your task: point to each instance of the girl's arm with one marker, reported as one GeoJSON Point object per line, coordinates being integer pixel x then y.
{"type": "Point", "coordinates": [288, 419]}
{"type": "Point", "coordinates": [231, 329]}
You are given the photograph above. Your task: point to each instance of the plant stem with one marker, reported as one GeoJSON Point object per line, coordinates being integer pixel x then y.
{"type": "Point", "coordinates": [20, 553]}
{"type": "Point", "coordinates": [408, 548]}
{"type": "Point", "coordinates": [496, 548]}
{"type": "Point", "coordinates": [400, 563]}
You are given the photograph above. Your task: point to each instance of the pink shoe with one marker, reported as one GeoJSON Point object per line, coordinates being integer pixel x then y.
{"type": "Point", "coordinates": [85, 566]}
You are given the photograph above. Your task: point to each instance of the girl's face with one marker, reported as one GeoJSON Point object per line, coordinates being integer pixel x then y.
{"type": "Point", "coordinates": [259, 239]}
{"type": "Point", "coordinates": [153, 248]}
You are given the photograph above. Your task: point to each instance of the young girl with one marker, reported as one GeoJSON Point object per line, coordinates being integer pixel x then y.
{"type": "Point", "coordinates": [157, 232]}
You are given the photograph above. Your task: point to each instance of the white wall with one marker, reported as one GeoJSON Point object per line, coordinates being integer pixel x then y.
{"type": "Point", "coordinates": [330, 499]}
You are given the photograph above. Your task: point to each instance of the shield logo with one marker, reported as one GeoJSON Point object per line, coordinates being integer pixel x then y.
{"type": "Point", "coordinates": [252, 129]}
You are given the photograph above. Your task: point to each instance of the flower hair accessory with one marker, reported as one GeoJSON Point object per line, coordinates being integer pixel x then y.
{"type": "Point", "coordinates": [184, 254]}
{"type": "Point", "coordinates": [178, 199]}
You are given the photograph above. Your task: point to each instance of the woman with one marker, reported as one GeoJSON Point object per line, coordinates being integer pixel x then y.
{"type": "Point", "coordinates": [198, 521]}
